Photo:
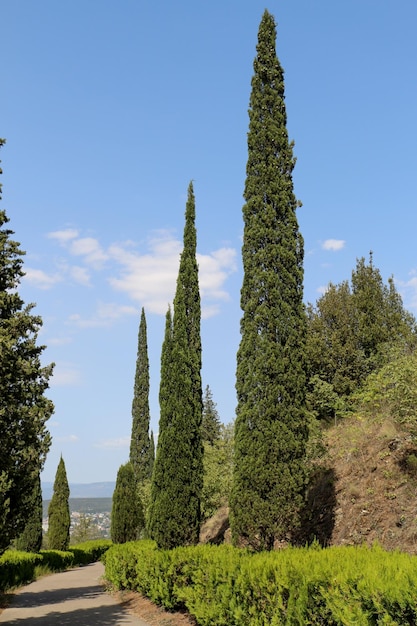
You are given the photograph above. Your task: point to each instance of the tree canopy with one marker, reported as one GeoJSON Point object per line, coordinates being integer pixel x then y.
{"type": "Point", "coordinates": [24, 408]}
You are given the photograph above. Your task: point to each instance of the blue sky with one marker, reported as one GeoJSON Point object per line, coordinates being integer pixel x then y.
{"type": "Point", "coordinates": [111, 108]}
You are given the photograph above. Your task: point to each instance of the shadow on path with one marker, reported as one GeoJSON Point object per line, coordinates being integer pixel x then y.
{"type": "Point", "coordinates": [73, 597]}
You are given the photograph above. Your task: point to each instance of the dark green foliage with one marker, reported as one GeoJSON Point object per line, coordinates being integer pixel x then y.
{"type": "Point", "coordinates": [210, 425]}
{"type": "Point", "coordinates": [152, 452]}
{"type": "Point", "coordinates": [140, 444]}
{"type": "Point", "coordinates": [178, 472]}
{"type": "Point", "coordinates": [31, 538]}
{"type": "Point", "coordinates": [127, 520]}
{"type": "Point", "coordinates": [352, 331]}
{"type": "Point", "coordinates": [59, 512]}
{"type": "Point", "coordinates": [271, 430]}
{"type": "Point", "coordinates": [24, 409]}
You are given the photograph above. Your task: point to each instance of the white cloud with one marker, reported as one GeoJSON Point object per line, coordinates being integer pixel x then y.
{"type": "Point", "coordinates": [148, 277]}
{"type": "Point", "coordinates": [65, 375]}
{"type": "Point", "coordinates": [333, 244]}
{"type": "Point", "coordinates": [63, 236]}
{"type": "Point", "coordinates": [322, 289]}
{"type": "Point", "coordinates": [151, 278]}
{"type": "Point", "coordinates": [40, 279]}
{"type": "Point", "coordinates": [120, 442]}
{"type": "Point", "coordinates": [80, 275]}
{"type": "Point", "coordinates": [105, 315]}
{"type": "Point", "coordinates": [67, 439]}
{"type": "Point", "coordinates": [409, 290]}
{"type": "Point", "coordinates": [59, 341]}
{"type": "Point", "coordinates": [90, 249]}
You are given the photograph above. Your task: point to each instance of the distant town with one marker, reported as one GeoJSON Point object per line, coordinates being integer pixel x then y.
{"type": "Point", "coordinates": [90, 505]}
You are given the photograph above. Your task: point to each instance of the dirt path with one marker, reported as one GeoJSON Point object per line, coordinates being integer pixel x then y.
{"type": "Point", "coordinates": [75, 597]}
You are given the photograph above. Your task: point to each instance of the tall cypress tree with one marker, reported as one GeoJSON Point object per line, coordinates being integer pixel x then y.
{"type": "Point", "coordinates": [59, 512]}
{"type": "Point", "coordinates": [271, 429]}
{"type": "Point", "coordinates": [140, 443]}
{"type": "Point", "coordinates": [178, 470]}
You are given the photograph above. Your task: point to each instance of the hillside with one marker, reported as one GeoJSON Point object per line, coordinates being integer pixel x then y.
{"type": "Point", "coordinates": [366, 490]}
{"type": "Point", "coordinates": [82, 490]}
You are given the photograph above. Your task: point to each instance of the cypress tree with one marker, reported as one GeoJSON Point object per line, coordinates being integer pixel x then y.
{"type": "Point", "coordinates": [140, 443]}
{"type": "Point", "coordinates": [59, 512]}
{"type": "Point", "coordinates": [271, 430]}
{"type": "Point", "coordinates": [127, 514]}
{"type": "Point", "coordinates": [211, 425]}
{"type": "Point", "coordinates": [178, 471]}
{"type": "Point", "coordinates": [31, 538]}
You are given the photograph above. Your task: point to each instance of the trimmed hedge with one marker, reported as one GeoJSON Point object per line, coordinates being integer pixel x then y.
{"type": "Point", "coordinates": [225, 586]}
{"type": "Point", "coordinates": [18, 568]}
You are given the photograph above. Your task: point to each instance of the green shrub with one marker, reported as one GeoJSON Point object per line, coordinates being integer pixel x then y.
{"type": "Point", "coordinates": [17, 568]}
{"type": "Point", "coordinates": [90, 551]}
{"type": "Point", "coordinates": [226, 586]}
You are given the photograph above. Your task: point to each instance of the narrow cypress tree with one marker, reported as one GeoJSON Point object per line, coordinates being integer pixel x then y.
{"type": "Point", "coordinates": [271, 428]}
{"type": "Point", "coordinates": [178, 471]}
{"type": "Point", "coordinates": [59, 512]}
{"type": "Point", "coordinates": [210, 425]}
{"type": "Point", "coordinates": [140, 444]}
{"type": "Point", "coordinates": [31, 538]}
{"type": "Point", "coordinates": [127, 514]}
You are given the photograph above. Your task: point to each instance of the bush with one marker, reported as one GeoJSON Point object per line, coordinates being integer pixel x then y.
{"type": "Point", "coordinates": [226, 586]}
{"type": "Point", "coordinates": [17, 568]}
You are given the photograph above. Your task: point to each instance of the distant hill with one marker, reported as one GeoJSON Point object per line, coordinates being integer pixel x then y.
{"type": "Point", "coordinates": [82, 490]}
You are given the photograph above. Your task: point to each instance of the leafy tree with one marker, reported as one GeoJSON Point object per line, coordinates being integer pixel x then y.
{"type": "Point", "coordinates": [351, 333]}
{"type": "Point", "coordinates": [210, 425]}
{"type": "Point", "coordinates": [270, 430]}
{"type": "Point", "coordinates": [391, 391]}
{"type": "Point", "coordinates": [24, 409]}
{"type": "Point", "coordinates": [178, 471]}
{"type": "Point", "coordinates": [127, 518]}
{"type": "Point", "coordinates": [140, 444]}
{"type": "Point", "coordinates": [218, 471]}
{"type": "Point", "coordinates": [84, 530]}
{"type": "Point", "coordinates": [31, 538]}
{"type": "Point", "coordinates": [59, 512]}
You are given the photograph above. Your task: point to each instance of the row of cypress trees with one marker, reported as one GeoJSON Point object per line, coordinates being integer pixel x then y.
{"type": "Point", "coordinates": [271, 431]}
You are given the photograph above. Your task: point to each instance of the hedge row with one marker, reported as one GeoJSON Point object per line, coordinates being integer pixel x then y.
{"type": "Point", "coordinates": [18, 568]}
{"type": "Point", "coordinates": [225, 586]}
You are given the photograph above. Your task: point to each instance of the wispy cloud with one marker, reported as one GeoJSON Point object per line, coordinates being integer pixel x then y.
{"type": "Point", "coordinates": [41, 279]}
{"type": "Point", "coordinates": [151, 278]}
{"type": "Point", "coordinates": [63, 236]}
{"type": "Point", "coordinates": [147, 276]}
{"type": "Point", "coordinates": [65, 375]}
{"type": "Point", "coordinates": [120, 442]}
{"type": "Point", "coordinates": [67, 439]}
{"type": "Point", "coordinates": [106, 314]}
{"type": "Point", "coordinates": [409, 290]}
{"type": "Point", "coordinates": [334, 245]}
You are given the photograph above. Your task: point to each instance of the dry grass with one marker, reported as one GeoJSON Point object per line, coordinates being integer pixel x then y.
{"type": "Point", "coordinates": [152, 614]}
